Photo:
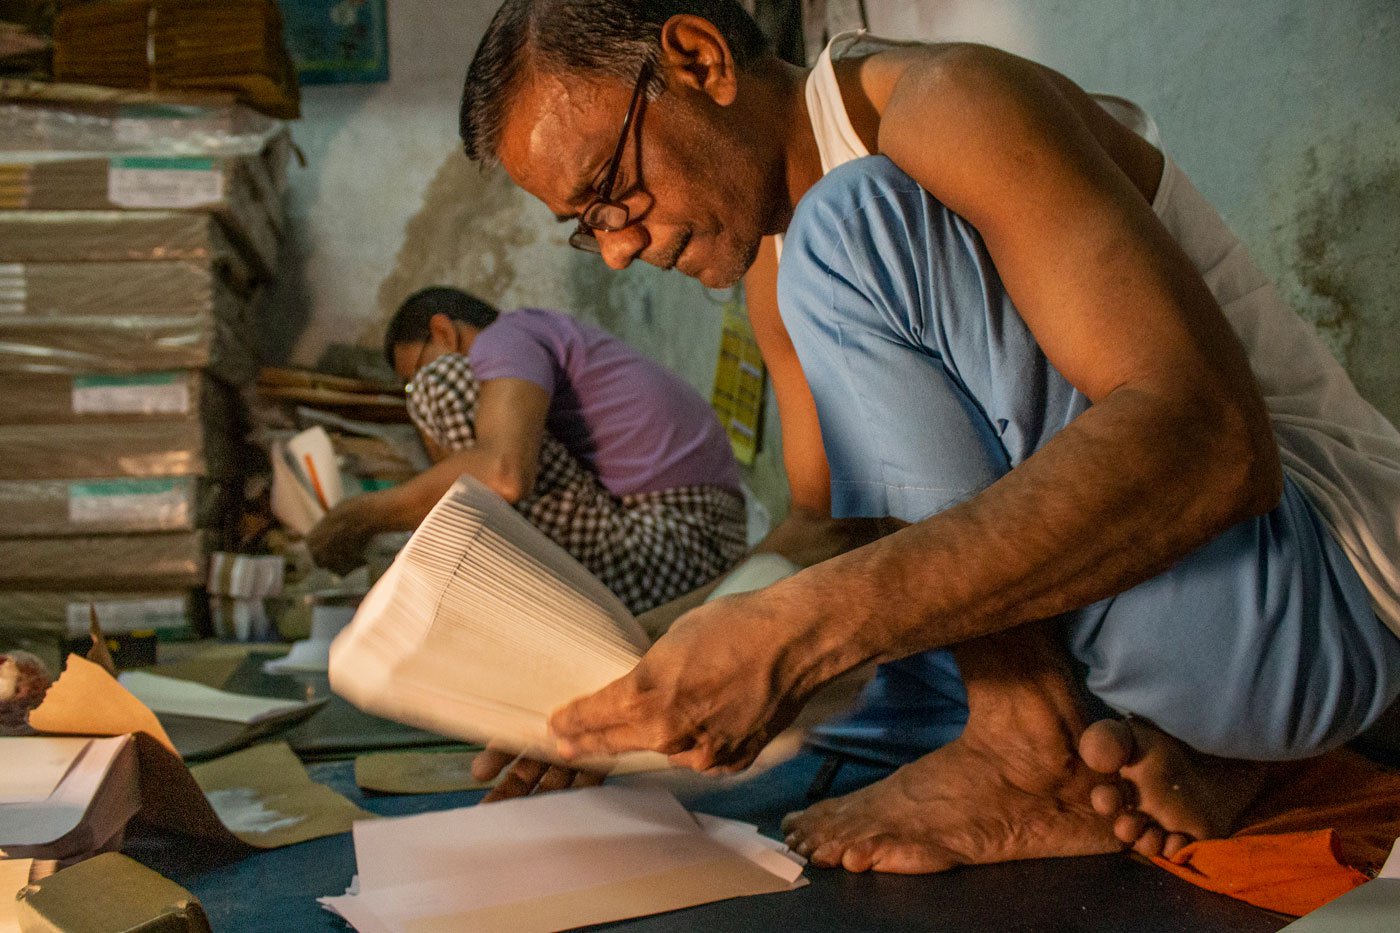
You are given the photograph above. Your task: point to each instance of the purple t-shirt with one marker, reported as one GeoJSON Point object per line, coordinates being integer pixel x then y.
{"type": "Point", "coordinates": [637, 424]}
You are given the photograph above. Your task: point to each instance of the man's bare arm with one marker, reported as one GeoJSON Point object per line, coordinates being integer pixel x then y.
{"type": "Point", "coordinates": [510, 425]}
{"type": "Point", "coordinates": [1177, 445]}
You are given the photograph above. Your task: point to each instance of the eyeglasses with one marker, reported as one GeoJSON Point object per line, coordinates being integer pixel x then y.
{"type": "Point", "coordinates": [603, 213]}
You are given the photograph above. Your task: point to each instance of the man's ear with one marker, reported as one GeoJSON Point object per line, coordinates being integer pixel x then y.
{"type": "Point", "coordinates": [443, 330]}
{"type": "Point", "coordinates": [694, 54]}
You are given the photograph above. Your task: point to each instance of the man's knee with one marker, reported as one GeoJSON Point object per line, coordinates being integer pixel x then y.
{"type": "Point", "coordinates": [858, 224]}
{"type": "Point", "coordinates": [1262, 644]}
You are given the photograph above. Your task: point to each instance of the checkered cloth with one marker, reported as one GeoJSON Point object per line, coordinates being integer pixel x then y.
{"type": "Point", "coordinates": [647, 548]}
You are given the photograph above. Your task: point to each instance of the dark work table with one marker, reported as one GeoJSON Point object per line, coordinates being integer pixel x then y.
{"type": "Point", "coordinates": [276, 890]}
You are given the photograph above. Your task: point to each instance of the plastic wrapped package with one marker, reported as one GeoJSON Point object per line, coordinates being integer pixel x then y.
{"type": "Point", "coordinates": [224, 185]}
{"type": "Point", "coordinates": [63, 508]}
{"type": "Point", "coordinates": [81, 451]}
{"type": "Point", "coordinates": [106, 289]}
{"type": "Point", "coordinates": [120, 236]}
{"type": "Point", "coordinates": [68, 611]}
{"type": "Point", "coordinates": [185, 45]}
{"type": "Point", "coordinates": [108, 562]}
{"type": "Point", "coordinates": [135, 128]}
{"type": "Point", "coordinates": [88, 398]}
{"type": "Point", "coordinates": [214, 329]}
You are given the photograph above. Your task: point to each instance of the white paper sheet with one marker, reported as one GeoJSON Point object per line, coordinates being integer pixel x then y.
{"type": "Point", "coordinates": [293, 504]}
{"type": "Point", "coordinates": [172, 696]}
{"type": "Point", "coordinates": [564, 856]}
{"type": "Point", "coordinates": [34, 765]}
{"type": "Point", "coordinates": [313, 455]}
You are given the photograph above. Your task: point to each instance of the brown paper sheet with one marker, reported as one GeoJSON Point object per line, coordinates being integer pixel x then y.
{"type": "Point", "coordinates": [134, 899]}
{"type": "Point", "coordinates": [86, 700]}
{"type": "Point", "coordinates": [417, 772]}
{"type": "Point", "coordinates": [14, 875]}
{"type": "Point", "coordinates": [264, 796]}
{"type": "Point", "coordinates": [261, 796]}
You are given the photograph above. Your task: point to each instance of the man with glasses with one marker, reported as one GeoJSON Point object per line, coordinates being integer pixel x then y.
{"type": "Point", "coordinates": [1132, 478]}
{"type": "Point", "coordinates": [616, 459]}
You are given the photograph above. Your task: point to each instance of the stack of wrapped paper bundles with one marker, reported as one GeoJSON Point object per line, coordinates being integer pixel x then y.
{"type": "Point", "coordinates": [127, 341]}
{"type": "Point", "coordinates": [195, 45]}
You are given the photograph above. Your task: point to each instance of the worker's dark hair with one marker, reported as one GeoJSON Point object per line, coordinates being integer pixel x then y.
{"type": "Point", "coordinates": [584, 37]}
{"type": "Point", "coordinates": [410, 323]}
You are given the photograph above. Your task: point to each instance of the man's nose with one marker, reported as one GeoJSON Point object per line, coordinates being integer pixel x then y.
{"type": "Point", "coordinates": [622, 246]}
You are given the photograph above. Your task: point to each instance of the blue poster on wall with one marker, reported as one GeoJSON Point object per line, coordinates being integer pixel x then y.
{"type": "Point", "coordinates": [338, 41]}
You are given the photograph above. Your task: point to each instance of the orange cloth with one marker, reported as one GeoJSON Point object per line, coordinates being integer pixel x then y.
{"type": "Point", "coordinates": [1319, 834]}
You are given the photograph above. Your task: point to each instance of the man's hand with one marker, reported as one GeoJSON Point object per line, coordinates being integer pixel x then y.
{"type": "Point", "coordinates": [526, 775]}
{"type": "Point", "coordinates": [710, 693]}
{"type": "Point", "coordinates": [339, 540]}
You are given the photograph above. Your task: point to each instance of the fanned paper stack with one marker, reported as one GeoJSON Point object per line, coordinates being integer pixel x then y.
{"type": "Point", "coordinates": [482, 627]}
{"type": "Point", "coordinates": [195, 45]}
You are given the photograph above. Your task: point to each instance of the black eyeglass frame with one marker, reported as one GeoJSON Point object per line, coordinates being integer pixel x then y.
{"type": "Point", "coordinates": [602, 213]}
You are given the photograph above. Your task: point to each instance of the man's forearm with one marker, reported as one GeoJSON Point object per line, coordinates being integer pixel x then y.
{"type": "Point", "coordinates": [1130, 487]}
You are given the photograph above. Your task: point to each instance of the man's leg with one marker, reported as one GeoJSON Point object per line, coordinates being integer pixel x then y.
{"type": "Point", "coordinates": [1282, 658]}
{"type": "Point", "coordinates": [929, 388]}
{"type": "Point", "coordinates": [863, 282]}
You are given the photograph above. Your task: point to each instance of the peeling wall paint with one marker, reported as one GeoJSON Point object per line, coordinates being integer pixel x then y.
{"type": "Point", "coordinates": [1342, 246]}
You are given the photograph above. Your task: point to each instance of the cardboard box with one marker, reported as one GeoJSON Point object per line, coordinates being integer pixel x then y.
{"type": "Point", "coordinates": [130, 398]}
{"type": "Point", "coordinates": [111, 450]}
{"type": "Point", "coordinates": [64, 325]}
{"type": "Point", "coordinates": [119, 236]}
{"type": "Point", "coordinates": [117, 562]}
{"type": "Point", "coordinates": [224, 186]}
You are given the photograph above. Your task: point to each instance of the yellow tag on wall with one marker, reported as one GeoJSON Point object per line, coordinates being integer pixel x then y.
{"type": "Point", "coordinates": [739, 377]}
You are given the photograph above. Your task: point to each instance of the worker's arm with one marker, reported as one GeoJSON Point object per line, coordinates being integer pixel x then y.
{"type": "Point", "coordinates": [1176, 447]}
{"type": "Point", "coordinates": [510, 426]}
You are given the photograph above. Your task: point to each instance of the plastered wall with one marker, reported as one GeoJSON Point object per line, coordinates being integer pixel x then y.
{"type": "Point", "coordinates": [1286, 114]}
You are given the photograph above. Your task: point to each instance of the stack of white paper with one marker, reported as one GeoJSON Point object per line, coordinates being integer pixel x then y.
{"type": "Point", "coordinates": [62, 798]}
{"type": "Point", "coordinates": [555, 862]}
{"type": "Point", "coordinates": [482, 627]}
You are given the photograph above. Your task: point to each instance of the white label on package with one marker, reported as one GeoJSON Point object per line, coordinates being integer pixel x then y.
{"type": "Point", "coordinates": [14, 288]}
{"type": "Point", "coordinates": [149, 503]}
{"type": "Point", "coordinates": [138, 181]}
{"type": "Point", "coordinates": [143, 394]}
{"type": "Point", "coordinates": [128, 615]}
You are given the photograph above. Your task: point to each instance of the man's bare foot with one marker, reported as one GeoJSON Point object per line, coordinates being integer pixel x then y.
{"type": "Point", "coordinates": [1159, 793]}
{"type": "Point", "coordinates": [975, 801]}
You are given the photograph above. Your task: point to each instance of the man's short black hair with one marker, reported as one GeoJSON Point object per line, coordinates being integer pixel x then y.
{"type": "Point", "coordinates": [584, 37]}
{"type": "Point", "coordinates": [410, 323]}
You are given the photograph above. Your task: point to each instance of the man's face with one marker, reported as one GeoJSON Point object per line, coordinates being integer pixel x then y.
{"type": "Point", "coordinates": [411, 356]}
{"type": "Point", "coordinates": [696, 197]}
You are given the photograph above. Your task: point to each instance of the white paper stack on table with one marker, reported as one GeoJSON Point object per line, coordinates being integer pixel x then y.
{"type": "Point", "coordinates": [202, 721]}
{"type": "Point", "coordinates": [555, 862]}
{"type": "Point", "coordinates": [65, 798]}
{"type": "Point", "coordinates": [482, 627]}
